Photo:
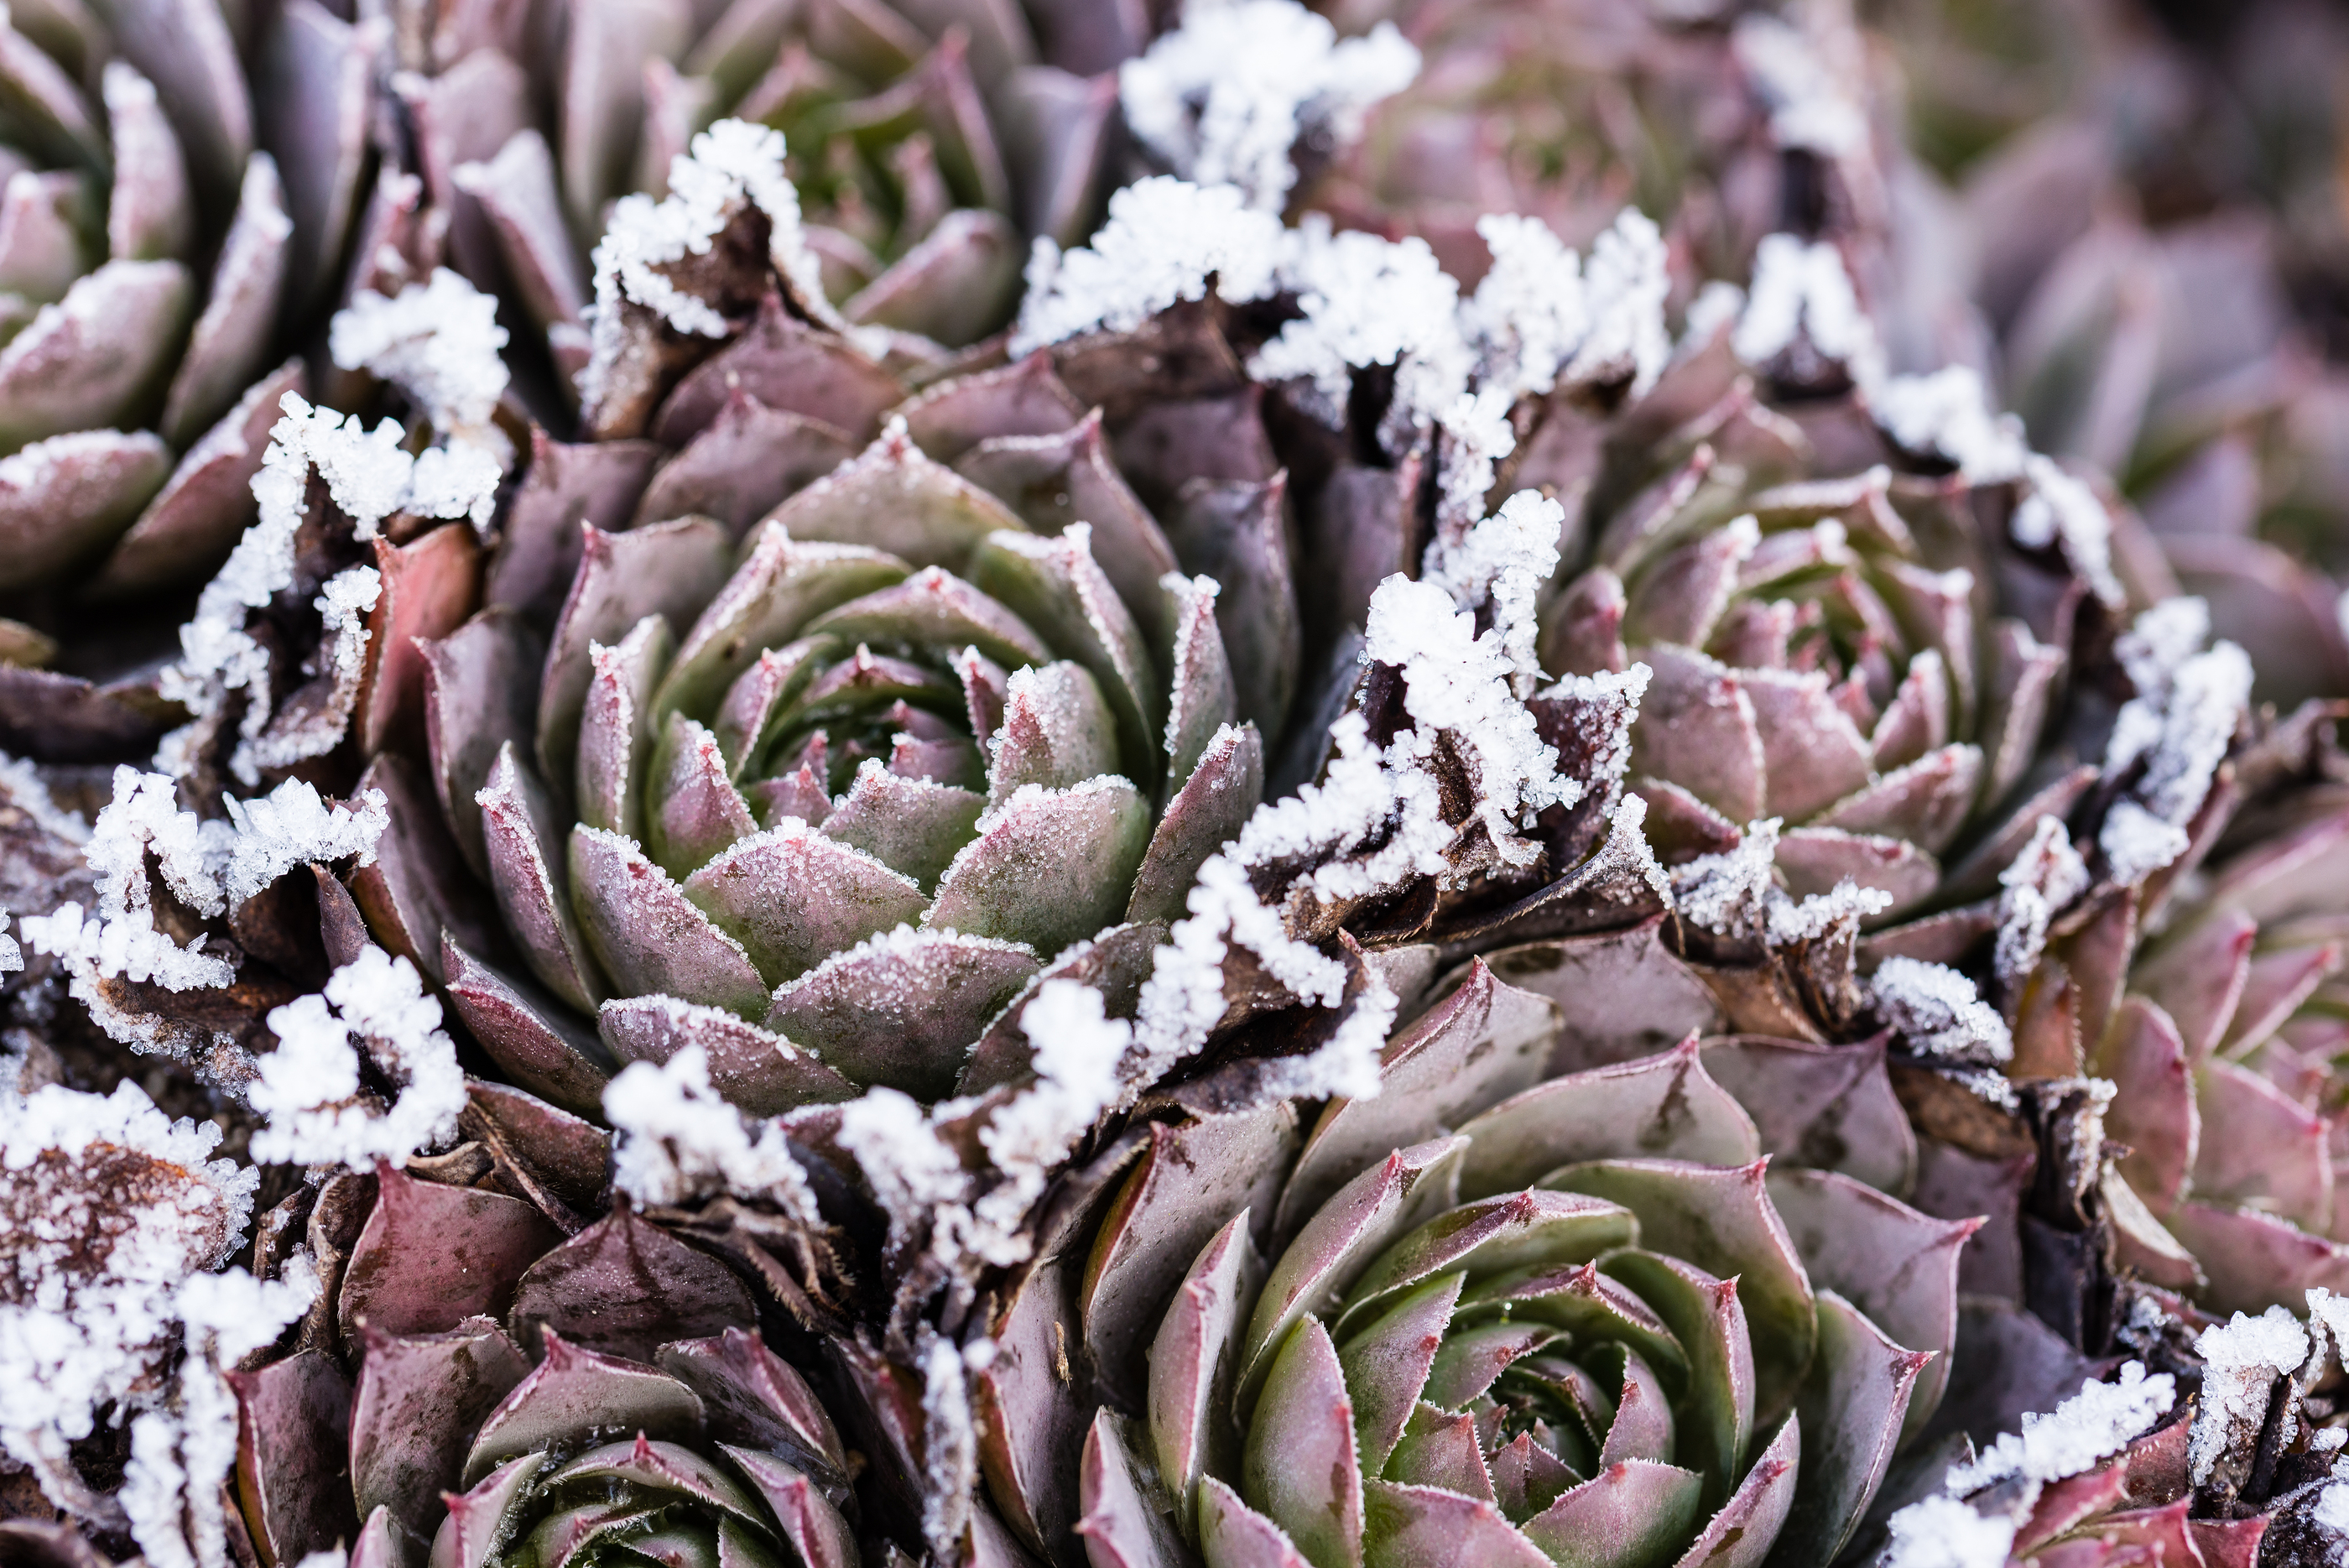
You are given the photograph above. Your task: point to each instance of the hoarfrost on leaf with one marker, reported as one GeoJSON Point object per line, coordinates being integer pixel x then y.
{"type": "Point", "coordinates": [2044, 877]}
{"type": "Point", "coordinates": [1222, 97]}
{"type": "Point", "coordinates": [2242, 1359]}
{"type": "Point", "coordinates": [436, 341]}
{"type": "Point", "coordinates": [2168, 740]}
{"type": "Point", "coordinates": [733, 166]}
{"type": "Point", "coordinates": [1502, 562]}
{"type": "Point", "coordinates": [309, 1087]}
{"type": "Point", "coordinates": [1802, 292]}
{"type": "Point", "coordinates": [1943, 1533]}
{"type": "Point", "coordinates": [1811, 104]}
{"type": "Point", "coordinates": [680, 1140]}
{"type": "Point", "coordinates": [1936, 1013]}
{"type": "Point", "coordinates": [2058, 508]}
{"type": "Point", "coordinates": [369, 477]}
{"type": "Point", "coordinates": [1948, 414]}
{"type": "Point", "coordinates": [1366, 300]}
{"type": "Point", "coordinates": [1163, 240]}
{"type": "Point", "coordinates": [107, 1209]}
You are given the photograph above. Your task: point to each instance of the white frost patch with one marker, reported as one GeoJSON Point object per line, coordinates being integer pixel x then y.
{"type": "Point", "coordinates": [1459, 683]}
{"type": "Point", "coordinates": [2099, 1421]}
{"type": "Point", "coordinates": [1367, 300]}
{"type": "Point", "coordinates": [22, 785]}
{"type": "Point", "coordinates": [1799, 292]}
{"type": "Point", "coordinates": [1224, 96]}
{"type": "Point", "coordinates": [309, 1086]}
{"type": "Point", "coordinates": [2042, 879]}
{"type": "Point", "coordinates": [1949, 414]}
{"type": "Point", "coordinates": [1943, 1533]}
{"type": "Point", "coordinates": [438, 343]}
{"type": "Point", "coordinates": [210, 867]}
{"type": "Point", "coordinates": [680, 1140]}
{"type": "Point", "coordinates": [369, 477]}
{"type": "Point", "coordinates": [733, 166]}
{"type": "Point", "coordinates": [2176, 730]}
{"type": "Point", "coordinates": [94, 1260]}
{"type": "Point", "coordinates": [1078, 1050]}
{"type": "Point", "coordinates": [1811, 103]}
{"type": "Point", "coordinates": [1505, 562]}
{"type": "Point", "coordinates": [1937, 1011]}
{"type": "Point", "coordinates": [1163, 240]}
{"type": "Point", "coordinates": [2242, 1359]}
{"type": "Point", "coordinates": [2058, 508]}
{"type": "Point", "coordinates": [1736, 893]}
{"type": "Point", "coordinates": [181, 1455]}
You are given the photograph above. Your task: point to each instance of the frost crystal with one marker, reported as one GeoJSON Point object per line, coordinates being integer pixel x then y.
{"type": "Point", "coordinates": [309, 1086]}
{"type": "Point", "coordinates": [680, 1140]}
{"type": "Point", "coordinates": [2242, 1359]}
{"type": "Point", "coordinates": [733, 166]}
{"type": "Point", "coordinates": [1736, 893]}
{"type": "Point", "coordinates": [2059, 508]}
{"type": "Point", "coordinates": [1811, 106]}
{"type": "Point", "coordinates": [1800, 292]}
{"type": "Point", "coordinates": [438, 343]}
{"type": "Point", "coordinates": [1225, 95]}
{"type": "Point", "coordinates": [2044, 877]}
{"type": "Point", "coordinates": [369, 477]}
{"type": "Point", "coordinates": [1949, 414]}
{"type": "Point", "coordinates": [1943, 1533]}
{"type": "Point", "coordinates": [2099, 1421]}
{"type": "Point", "coordinates": [1079, 1050]}
{"type": "Point", "coordinates": [106, 1207]}
{"type": "Point", "coordinates": [1367, 301]}
{"type": "Point", "coordinates": [2172, 735]}
{"type": "Point", "coordinates": [23, 787]}
{"type": "Point", "coordinates": [1936, 1013]}
{"type": "Point", "coordinates": [913, 1174]}
{"type": "Point", "coordinates": [210, 867]}
{"type": "Point", "coordinates": [1163, 240]}
{"type": "Point", "coordinates": [1505, 562]}
{"type": "Point", "coordinates": [1458, 682]}
{"type": "Point", "coordinates": [181, 1457]}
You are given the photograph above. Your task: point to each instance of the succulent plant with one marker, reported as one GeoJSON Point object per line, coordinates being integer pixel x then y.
{"type": "Point", "coordinates": [2145, 232]}
{"type": "Point", "coordinates": [1520, 1307]}
{"type": "Point", "coordinates": [2217, 1017]}
{"type": "Point", "coordinates": [526, 1395]}
{"type": "Point", "coordinates": [167, 233]}
{"type": "Point", "coordinates": [1724, 123]}
{"type": "Point", "coordinates": [830, 797]}
{"type": "Point", "coordinates": [927, 142]}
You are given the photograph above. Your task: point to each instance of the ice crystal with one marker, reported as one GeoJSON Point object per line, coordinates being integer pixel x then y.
{"type": "Point", "coordinates": [2058, 508]}
{"type": "Point", "coordinates": [436, 341]}
{"type": "Point", "coordinates": [730, 168]}
{"type": "Point", "coordinates": [2044, 876]}
{"type": "Point", "coordinates": [109, 1206]}
{"type": "Point", "coordinates": [2092, 1425]}
{"type": "Point", "coordinates": [679, 1139]}
{"type": "Point", "coordinates": [309, 1086]}
{"type": "Point", "coordinates": [2242, 1359]}
{"type": "Point", "coordinates": [1457, 682]}
{"type": "Point", "coordinates": [1366, 300]}
{"type": "Point", "coordinates": [1222, 97]}
{"type": "Point", "coordinates": [1802, 292]}
{"type": "Point", "coordinates": [210, 867]}
{"type": "Point", "coordinates": [180, 1456]}
{"type": "Point", "coordinates": [1948, 414]}
{"type": "Point", "coordinates": [22, 785]}
{"type": "Point", "coordinates": [1502, 562]}
{"type": "Point", "coordinates": [1811, 104]}
{"type": "Point", "coordinates": [2168, 740]}
{"type": "Point", "coordinates": [1937, 1011]}
{"type": "Point", "coordinates": [1943, 1533]}
{"type": "Point", "coordinates": [1163, 240]}
{"type": "Point", "coordinates": [369, 477]}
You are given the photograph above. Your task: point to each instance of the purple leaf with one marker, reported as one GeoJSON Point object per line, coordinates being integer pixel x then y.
{"type": "Point", "coordinates": [432, 1256]}
{"type": "Point", "coordinates": [648, 936]}
{"type": "Point", "coordinates": [627, 1287]}
{"type": "Point", "coordinates": [753, 1069]}
{"type": "Point", "coordinates": [419, 1399]}
{"type": "Point", "coordinates": [534, 1038]}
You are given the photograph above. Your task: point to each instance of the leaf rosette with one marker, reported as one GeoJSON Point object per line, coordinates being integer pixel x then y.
{"type": "Point", "coordinates": [831, 799]}
{"type": "Point", "coordinates": [524, 1397]}
{"type": "Point", "coordinates": [1512, 1313]}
